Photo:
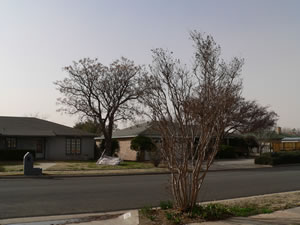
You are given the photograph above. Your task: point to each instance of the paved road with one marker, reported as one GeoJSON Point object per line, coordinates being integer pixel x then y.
{"type": "Point", "coordinates": [36, 197]}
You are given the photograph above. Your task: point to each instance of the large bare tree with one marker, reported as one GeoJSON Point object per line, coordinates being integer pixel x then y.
{"type": "Point", "coordinates": [104, 94]}
{"type": "Point", "coordinates": [193, 109]}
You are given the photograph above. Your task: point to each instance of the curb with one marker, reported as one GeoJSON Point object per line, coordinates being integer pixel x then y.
{"type": "Point", "coordinates": [48, 218]}
{"type": "Point", "coordinates": [50, 176]}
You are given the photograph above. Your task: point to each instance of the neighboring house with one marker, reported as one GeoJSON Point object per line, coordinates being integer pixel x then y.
{"type": "Point", "coordinates": [50, 141]}
{"type": "Point", "coordinates": [125, 136]}
{"type": "Point", "coordinates": [286, 144]}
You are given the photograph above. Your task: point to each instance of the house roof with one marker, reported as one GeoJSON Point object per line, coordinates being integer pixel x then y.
{"type": "Point", "coordinates": [30, 126]}
{"type": "Point", "coordinates": [144, 129]}
{"type": "Point", "coordinates": [291, 139]}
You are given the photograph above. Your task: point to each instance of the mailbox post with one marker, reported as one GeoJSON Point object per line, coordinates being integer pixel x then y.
{"type": "Point", "coordinates": [28, 166]}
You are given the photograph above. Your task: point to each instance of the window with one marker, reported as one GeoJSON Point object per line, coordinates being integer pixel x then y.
{"type": "Point", "coordinates": [73, 146]}
{"type": "Point", "coordinates": [11, 143]}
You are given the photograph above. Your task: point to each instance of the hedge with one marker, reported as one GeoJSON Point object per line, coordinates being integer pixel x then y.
{"type": "Point", "coordinates": [277, 158]}
{"type": "Point", "coordinates": [226, 152]}
{"type": "Point", "coordinates": [14, 154]}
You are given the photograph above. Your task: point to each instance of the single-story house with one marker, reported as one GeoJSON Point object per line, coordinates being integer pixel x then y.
{"type": "Point", "coordinates": [125, 136]}
{"type": "Point", "coordinates": [50, 141]}
{"type": "Point", "coordinates": [286, 144]}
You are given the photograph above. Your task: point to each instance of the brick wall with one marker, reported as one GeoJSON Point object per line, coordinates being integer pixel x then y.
{"type": "Point", "coordinates": [125, 152]}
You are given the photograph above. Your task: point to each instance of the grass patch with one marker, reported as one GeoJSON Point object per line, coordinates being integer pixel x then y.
{"type": "Point", "coordinates": [148, 212]}
{"type": "Point", "coordinates": [249, 210]}
{"type": "Point", "coordinates": [200, 213]}
{"type": "Point", "coordinates": [211, 212]}
{"type": "Point", "coordinates": [91, 165]}
{"type": "Point", "coordinates": [166, 205]}
{"type": "Point", "coordinates": [11, 166]}
{"type": "Point", "coordinates": [243, 207]}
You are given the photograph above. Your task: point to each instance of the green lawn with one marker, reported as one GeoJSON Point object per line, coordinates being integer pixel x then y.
{"type": "Point", "coordinates": [91, 165]}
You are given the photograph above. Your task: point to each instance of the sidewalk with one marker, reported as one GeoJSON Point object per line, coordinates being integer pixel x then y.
{"type": "Point", "coordinates": [284, 217]}
{"type": "Point", "coordinates": [111, 218]}
{"type": "Point", "coordinates": [219, 165]}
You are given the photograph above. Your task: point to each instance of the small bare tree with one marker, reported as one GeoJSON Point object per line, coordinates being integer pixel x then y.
{"type": "Point", "coordinates": [264, 138]}
{"type": "Point", "coordinates": [104, 94]}
{"type": "Point", "coordinates": [193, 110]}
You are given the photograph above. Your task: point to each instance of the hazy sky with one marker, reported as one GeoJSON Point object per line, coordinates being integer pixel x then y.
{"type": "Point", "coordinates": [38, 38]}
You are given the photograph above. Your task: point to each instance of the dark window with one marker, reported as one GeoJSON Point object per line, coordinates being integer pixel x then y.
{"type": "Point", "coordinates": [73, 146]}
{"type": "Point", "coordinates": [39, 146]}
{"type": "Point", "coordinates": [11, 143]}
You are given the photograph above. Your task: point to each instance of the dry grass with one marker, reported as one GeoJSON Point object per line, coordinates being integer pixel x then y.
{"type": "Point", "coordinates": [82, 168]}
{"type": "Point", "coordinates": [274, 202]}
{"type": "Point", "coordinates": [91, 165]}
{"type": "Point", "coordinates": [12, 166]}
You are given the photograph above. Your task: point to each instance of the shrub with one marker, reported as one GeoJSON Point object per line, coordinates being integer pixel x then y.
{"type": "Point", "coordinates": [141, 144]}
{"type": "Point", "coordinates": [215, 212]}
{"type": "Point", "coordinates": [210, 212]}
{"type": "Point", "coordinates": [264, 159]}
{"type": "Point", "coordinates": [277, 158]}
{"type": "Point", "coordinates": [16, 155]}
{"type": "Point", "coordinates": [166, 205]}
{"type": "Point", "coordinates": [147, 211]}
{"type": "Point", "coordinates": [226, 152]}
{"type": "Point", "coordinates": [174, 217]}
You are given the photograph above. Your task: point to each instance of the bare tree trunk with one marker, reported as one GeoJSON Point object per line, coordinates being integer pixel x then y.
{"type": "Point", "coordinates": [108, 146]}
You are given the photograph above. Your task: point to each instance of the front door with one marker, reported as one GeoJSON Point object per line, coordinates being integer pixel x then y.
{"type": "Point", "coordinates": [40, 148]}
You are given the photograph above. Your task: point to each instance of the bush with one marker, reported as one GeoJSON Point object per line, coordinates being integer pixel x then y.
{"type": "Point", "coordinates": [215, 212]}
{"type": "Point", "coordinates": [175, 218]}
{"type": "Point", "coordinates": [141, 144]}
{"type": "Point", "coordinates": [264, 159]}
{"type": "Point", "coordinates": [166, 205]}
{"type": "Point", "coordinates": [226, 152]}
{"type": "Point", "coordinates": [14, 155]}
{"type": "Point", "coordinates": [148, 212]}
{"type": "Point", "coordinates": [211, 212]}
{"type": "Point", "coordinates": [277, 158]}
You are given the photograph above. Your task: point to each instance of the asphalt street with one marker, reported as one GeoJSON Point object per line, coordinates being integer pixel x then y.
{"type": "Point", "coordinates": [40, 196]}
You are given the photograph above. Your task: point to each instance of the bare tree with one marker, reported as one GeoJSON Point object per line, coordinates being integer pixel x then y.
{"type": "Point", "coordinates": [89, 126]}
{"type": "Point", "coordinates": [104, 94]}
{"type": "Point", "coordinates": [193, 110]}
{"type": "Point", "coordinates": [264, 137]}
{"type": "Point", "coordinates": [249, 117]}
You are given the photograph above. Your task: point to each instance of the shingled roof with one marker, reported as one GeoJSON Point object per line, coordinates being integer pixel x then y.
{"type": "Point", "coordinates": [30, 126]}
{"type": "Point", "coordinates": [144, 129]}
